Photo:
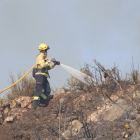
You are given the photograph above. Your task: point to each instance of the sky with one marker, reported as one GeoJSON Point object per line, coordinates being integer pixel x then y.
{"type": "Point", "coordinates": [77, 32]}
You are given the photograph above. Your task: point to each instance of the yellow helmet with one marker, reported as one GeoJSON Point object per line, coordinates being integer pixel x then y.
{"type": "Point", "coordinates": [43, 47]}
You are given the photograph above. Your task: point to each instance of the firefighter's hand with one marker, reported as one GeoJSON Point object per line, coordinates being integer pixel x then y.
{"type": "Point", "coordinates": [49, 60]}
{"type": "Point", "coordinates": [57, 62]}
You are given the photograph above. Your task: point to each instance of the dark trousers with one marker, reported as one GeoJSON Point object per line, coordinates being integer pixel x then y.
{"type": "Point", "coordinates": [41, 83]}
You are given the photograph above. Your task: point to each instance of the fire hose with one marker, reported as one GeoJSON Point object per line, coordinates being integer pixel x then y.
{"type": "Point", "coordinates": [21, 78]}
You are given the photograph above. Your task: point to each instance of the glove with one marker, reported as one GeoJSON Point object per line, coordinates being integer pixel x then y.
{"type": "Point", "coordinates": [55, 62]}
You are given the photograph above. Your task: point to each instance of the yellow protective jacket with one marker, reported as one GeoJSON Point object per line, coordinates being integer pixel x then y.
{"type": "Point", "coordinates": [43, 65]}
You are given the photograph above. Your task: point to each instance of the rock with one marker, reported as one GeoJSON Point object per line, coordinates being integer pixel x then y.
{"type": "Point", "coordinates": [30, 106]}
{"type": "Point", "coordinates": [76, 126]}
{"type": "Point", "coordinates": [79, 101]}
{"type": "Point", "coordinates": [72, 118]}
{"type": "Point", "coordinates": [22, 101]}
{"type": "Point", "coordinates": [10, 119]}
{"type": "Point", "coordinates": [13, 104]}
{"type": "Point", "coordinates": [6, 110]}
{"type": "Point", "coordinates": [136, 94]}
{"type": "Point", "coordinates": [93, 117]}
{"type": "Point", "coordinates": [115, 111]}
{"type": "Point", "coordinates": [129, 108]}
{"type": "Point", "coordinates": [5, 104]}
{"type": "Point", "coordinates": [96, 115]}
{"type": "Point", "coordinates": [17, 112]}
{"type": "Point", "coordinates": [85, 88]}
{"type": "Point", "coordinates": [24, 110]}
{"type": "Point", "coordinates": [107, 112]}
{"type": "Point", "coordinates": [68, 92]}
{"type": "Point", "coordinates": [1, 121]}
{"type": "Point", "coordinates": [83, 98]}
{"type": "Point", "coordinates": [136, 135]}
{"type": "Point", "coordinates": [60, 90]}
{"type": "Point", "coordinates": [24, 104]}
{"type": "Point", "coordinates": [1, 109]}
{"type": "Point", "coordinates": [61, 100]}
{"type": "Point", "coordinates": [0, 115]}
{"type": "Point", "coordinates": [5, 113]}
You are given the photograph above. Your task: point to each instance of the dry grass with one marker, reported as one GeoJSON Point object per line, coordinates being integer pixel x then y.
{"type": "Point", "coordinates": [25, 87]}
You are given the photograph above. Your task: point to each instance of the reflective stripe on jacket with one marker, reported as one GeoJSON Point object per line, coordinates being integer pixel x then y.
{"type": "Point", "coordinates": [43, 65]}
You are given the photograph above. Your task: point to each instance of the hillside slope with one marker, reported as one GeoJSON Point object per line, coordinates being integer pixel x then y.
{"type": "Point", "coordinates": [70, 115]}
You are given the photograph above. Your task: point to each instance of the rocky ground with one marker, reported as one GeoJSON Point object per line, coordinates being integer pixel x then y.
{"type": "Point", "coordinates": [69, 115]}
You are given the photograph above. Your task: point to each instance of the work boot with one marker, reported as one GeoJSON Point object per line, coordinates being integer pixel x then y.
{"type": "Point", "coordinates": [42, 101]}
{"type": "Point", "coordinates": [49, 97]}
{"type": "Point", "coordinates": [36, 103]}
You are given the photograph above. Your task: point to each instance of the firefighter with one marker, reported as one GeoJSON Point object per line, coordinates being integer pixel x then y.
{"type": "Point", "coordinates": [40, 73]}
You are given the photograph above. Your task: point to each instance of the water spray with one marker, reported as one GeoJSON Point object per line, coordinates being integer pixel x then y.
{"type": "Point", "coordinates": [79, 75]}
